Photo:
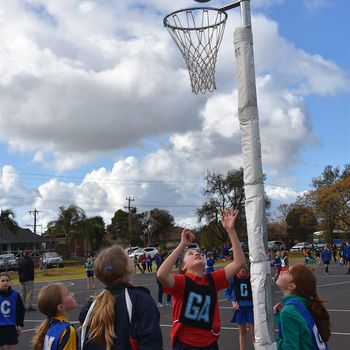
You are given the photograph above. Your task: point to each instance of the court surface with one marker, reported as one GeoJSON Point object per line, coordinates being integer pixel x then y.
{"type": "Point", "coordinates": [334, 287]}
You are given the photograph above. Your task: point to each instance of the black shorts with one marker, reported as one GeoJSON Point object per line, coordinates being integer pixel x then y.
{"type": "Point", "coordinates": [347, 259]}
{"type": "Point", "coordinates": [89, 273]}
{"type": "Point", "coordinates": [326, 262]}
{"type": "Point", "coordinates": [8, 335]}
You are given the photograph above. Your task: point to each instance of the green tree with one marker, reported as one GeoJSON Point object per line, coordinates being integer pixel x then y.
{"type": "Point", "coordinates": [224, 192]}
{"type": "Point", "coordinates": [301, 223]}
{"type": "Point", "coordinates": [158, 223]}
{"type": "Point", "coordinates": [138, 225]}
{"type": "Point", "coordinates": [330, 199]}
{"type": "Point", "coordinates": [119, 226]}
{"type": "Point", "coordinates": [95, 233]}
{"type": "Point", "coordinates": [7, 222]}
{"type": "Point", "coordinates": [69, 222]}
{"type": "Point", "coordinates": [207, 238]}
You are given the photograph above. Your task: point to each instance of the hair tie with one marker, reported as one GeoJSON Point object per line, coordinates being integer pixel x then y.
{"type": "Point", "coordinates": [312, 297]}
{"type": "Point", "coordinates": [108, 268]}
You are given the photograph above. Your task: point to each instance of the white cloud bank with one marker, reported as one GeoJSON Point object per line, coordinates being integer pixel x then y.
{"type": "Point", "coordinates": [79, 79]}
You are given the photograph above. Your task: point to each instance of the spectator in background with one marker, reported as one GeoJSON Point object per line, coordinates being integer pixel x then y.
{"type": "Point", "coordinates": [149, 263]}
{"type": "Point", "coordinates": [347, 256]}
{"type": "Point", "coordinates": [210, 262]}
{"type": "Point", "coordinates": [326, 258]}
{"type": "Point", "coordinates": [26, 278]}
{"type": "Point", "coordinates": [334, 253]}
{"type": "Point", "coordinates": [143, 261]}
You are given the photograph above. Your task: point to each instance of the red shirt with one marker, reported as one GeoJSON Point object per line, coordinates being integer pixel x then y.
{"type": "Point", "coordinates": [191, 335]}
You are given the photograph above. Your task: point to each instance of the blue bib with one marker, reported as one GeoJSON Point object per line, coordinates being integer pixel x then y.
{"type": "Point", "coordinates": [54, 333]}
{"type": "Point", "coordinates": [318, 343]}
{"type": "Point", "coordinates": [8, 309]}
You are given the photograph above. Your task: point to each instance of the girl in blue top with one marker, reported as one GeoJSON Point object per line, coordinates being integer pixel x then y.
{"type": "Point", "coordinates": [55, 301]}
{"type": "Point", "coordinates": [11, 313]}
{"type": "Point", "coordinates": [209, 266]}
{"type": "Point", "coordinates": [239, 293]}
{"type": "Point", "coordinates": [326, 258]}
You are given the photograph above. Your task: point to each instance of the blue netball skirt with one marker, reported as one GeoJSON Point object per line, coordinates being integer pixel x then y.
{"type": "Point", "coordinates": [243, 315]}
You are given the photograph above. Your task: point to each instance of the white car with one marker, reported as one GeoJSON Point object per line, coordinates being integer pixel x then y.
{"type": "Point", "coordinates": [131, 250]}
{"type": "Point", "coordinates": [51, 259]}
{"type": "Point", "coordinates": [299, 247]}
{"type": "Point", "coordinates": [276, 245]}
{"type": "Point", "coordinates": [152, 251]}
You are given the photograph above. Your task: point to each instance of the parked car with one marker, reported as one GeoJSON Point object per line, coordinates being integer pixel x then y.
{"type": "Point", "coordinates": [276, 245]}
{"type": "Point", "coordinates": [8, 262]}
{"type": "Point", "coordinates": [299, 247]}
{"type": "Point", "coordinates": [244, 246]}
{"type": "Point", "coordinates": [152, 251]}
{"type": "Point", "coordinates": [131, 250]}
{"type": "Point", "coordinates": [51, 259]}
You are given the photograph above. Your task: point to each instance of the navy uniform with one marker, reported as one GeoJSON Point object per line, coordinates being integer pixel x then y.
{"type": "Point", "coordinates": [61, 335]}
{"type": "Point", "coordinates": [240, 291]}
{"type": "Point", "coordinates": [11, 315]}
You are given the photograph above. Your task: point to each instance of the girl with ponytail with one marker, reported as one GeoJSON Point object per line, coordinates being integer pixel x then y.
{"type": "Point", "coordinates": [121, 316]}
{"type": "Point", "coordinates": [302, 318]}
{"type": "Point", "coordinates": [55, 301]}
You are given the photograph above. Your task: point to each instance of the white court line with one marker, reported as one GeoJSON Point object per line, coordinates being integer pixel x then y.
{"type": "Point", "coordinates": [333, 284]}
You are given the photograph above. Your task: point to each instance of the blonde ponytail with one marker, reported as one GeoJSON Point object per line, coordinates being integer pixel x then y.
{"type": "Point", "coordinates": [101, 321]}
{"type": "Point", "coordinates": [38, 339]}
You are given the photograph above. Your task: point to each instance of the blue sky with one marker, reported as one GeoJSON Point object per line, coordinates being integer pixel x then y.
{"type": "Point", "coordinates": [96, 104]}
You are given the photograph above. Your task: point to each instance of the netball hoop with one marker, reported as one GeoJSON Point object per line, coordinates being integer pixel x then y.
{"type": "Point", "coordinates": [198, 32]}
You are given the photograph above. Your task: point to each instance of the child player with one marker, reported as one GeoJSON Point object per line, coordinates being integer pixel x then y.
{"type": "Point", "coordinates": [196, 320]}
{"type": "Point", "coordinates": [11, 313]}
{"type": "Point", "coordinates": [239, 294]}
{"type": "Point", "coordinates": [89, 268]}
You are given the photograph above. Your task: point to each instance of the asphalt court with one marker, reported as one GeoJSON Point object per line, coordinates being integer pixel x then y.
{"type": "Point", "coordinates": [335, 288]}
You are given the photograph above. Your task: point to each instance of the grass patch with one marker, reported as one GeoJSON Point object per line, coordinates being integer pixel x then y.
{"type": "Point", "coordinates": [54, 274]}
{"type": "Point", "coordinates": [78, 271]}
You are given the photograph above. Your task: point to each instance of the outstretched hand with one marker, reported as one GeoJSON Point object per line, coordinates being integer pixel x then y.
{"type": "Point", "coordinates": [187, 236]}
{"type": "Point", "coordinates": [228, 219]}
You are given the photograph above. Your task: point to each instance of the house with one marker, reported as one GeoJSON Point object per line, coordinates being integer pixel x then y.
{"type": "Point", "coordinates": [19, 240]}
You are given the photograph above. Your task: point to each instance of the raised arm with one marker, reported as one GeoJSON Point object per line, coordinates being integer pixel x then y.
{"type": "Point", "coordinates": [164, 270]}
{"type": "Point", "coordinates": [228, 222]}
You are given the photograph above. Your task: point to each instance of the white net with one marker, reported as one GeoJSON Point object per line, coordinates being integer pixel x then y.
{"type": "Point", "coordinates": [198, 32]}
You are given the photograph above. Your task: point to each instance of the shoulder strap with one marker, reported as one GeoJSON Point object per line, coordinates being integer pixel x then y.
{"type": "Point", "coordinates": [128, 303]}
{"type": "Point", "coordinates": [84, 326]}
{"type": "Point", "coordinates": [318, 343]}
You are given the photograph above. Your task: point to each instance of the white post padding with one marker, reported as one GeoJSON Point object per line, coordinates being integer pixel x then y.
{"type": "Point", "coordinates": [254, 190]}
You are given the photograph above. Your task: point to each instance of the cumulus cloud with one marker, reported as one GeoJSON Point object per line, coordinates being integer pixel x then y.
{"type": "Point", "coordinates": [82, 79]}
{"type": "Point", "coordinates": [12, 191]}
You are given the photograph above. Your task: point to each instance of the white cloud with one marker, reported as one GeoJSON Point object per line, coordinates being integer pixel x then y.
{"type": "Point", "coordinates": [282, 194]}
{"type": "Point", "coordinates": [82, 79]}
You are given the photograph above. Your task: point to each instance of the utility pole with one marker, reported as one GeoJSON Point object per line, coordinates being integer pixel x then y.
{"type": "Point", "coordinates": [34, 213]}
{"type": "Point", "coordinates": [129, 207]}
